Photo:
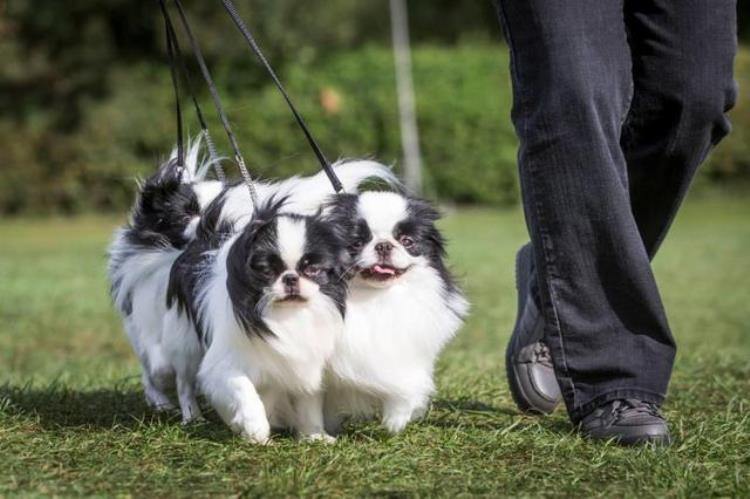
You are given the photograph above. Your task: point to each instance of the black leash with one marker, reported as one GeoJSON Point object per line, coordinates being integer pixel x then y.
{"type": "Point", "coordinates": [175, 45]}
{"type": "Point", "coordinates": [175, 85]}
{"type": "Point", "coordinates": [232, 10]}
{"type": "Point", "coordinates": [217, 101]}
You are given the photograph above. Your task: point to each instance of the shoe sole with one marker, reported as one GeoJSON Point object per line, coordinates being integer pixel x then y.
{"type": "Point", "coordinates": [635, 440]}
{"type": "Point", "coordinates": [655, 440]}
{"type": "Point", "coordinates": [523, 269]}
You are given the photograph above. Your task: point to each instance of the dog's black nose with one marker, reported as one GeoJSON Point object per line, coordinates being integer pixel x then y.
{"type": "Point", "coordinates": [384, 248]}
{"type": "Point", "coordinates": [290, 280]}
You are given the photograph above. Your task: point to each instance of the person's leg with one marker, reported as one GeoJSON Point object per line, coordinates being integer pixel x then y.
{"type": "Point", "coordinates": [683, 58]}
{"type": "Point", "coordinates": [604, 321]}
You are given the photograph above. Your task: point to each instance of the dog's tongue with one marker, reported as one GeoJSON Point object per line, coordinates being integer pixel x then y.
{"type": "Point", "coordinates": [379, 269]}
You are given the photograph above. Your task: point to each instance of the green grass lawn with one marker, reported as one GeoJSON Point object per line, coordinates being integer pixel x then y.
{"type": "Point", "coordinates": [73, 421]}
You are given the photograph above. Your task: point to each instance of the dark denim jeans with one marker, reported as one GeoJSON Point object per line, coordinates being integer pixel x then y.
{"type": "Point", "coordinates": [616, 103]}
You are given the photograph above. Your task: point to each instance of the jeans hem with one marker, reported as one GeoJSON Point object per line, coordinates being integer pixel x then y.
{"type": "Point", "coordinates": [577, 414]}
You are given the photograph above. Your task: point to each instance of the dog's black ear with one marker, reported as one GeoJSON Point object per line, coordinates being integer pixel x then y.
{"type": "Point", "coordinates": [242, 288]}
{"type": "Point", "coordinates": [263, 215]}
{"type": "Point", "coordinates": [325, 231]}
{"type": "Point", "coordinates": [269, 209]}
{"type": "Point", "coordinates": [422, 210]}
{"type": "Point", "coordinates": [340, 212]}
{"type": "Point", "coordinates": [424, 215]}
{"type": "Point", "coordinates": [340, 205]}
{"type": "Point", "coordinates": [162, 184]}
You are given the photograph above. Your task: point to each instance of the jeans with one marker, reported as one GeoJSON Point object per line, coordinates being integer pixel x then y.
{"type": "Point", "coordinates": [616, 104]}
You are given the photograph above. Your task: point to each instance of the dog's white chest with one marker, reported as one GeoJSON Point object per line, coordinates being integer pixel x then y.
{"type": "Point", "coordinates": [392, 331]}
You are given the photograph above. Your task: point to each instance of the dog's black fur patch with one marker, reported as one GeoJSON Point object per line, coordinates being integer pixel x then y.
{"type": "Point", "coordinates": [342, 213]}
{"type": "Point", "coordinates": [429, 241]}
{"type": "Point", "coordinates": [163, 209]}
{"type": "Point", "coordinates": [191, 267]}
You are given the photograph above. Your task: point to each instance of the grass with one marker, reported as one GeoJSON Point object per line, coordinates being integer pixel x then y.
{"type": "Point", "coordinates": [72, 419]}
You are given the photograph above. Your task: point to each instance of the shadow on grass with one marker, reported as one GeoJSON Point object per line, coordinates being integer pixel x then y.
{"type": "Point", "coordinates": [480, 415]}
{"type": "Point", "coordinates": [463, 414]}
{"type": "Point", "coordinates": [471, 406]}
{"type": "Point", "coordinates": [56, 407]}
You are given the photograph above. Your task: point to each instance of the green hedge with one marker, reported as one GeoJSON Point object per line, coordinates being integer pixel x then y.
{"type": "Point", "coordinates": [463, 101]}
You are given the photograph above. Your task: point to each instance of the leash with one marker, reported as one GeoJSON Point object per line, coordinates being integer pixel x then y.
{"type": "Point", "coordinates": [171, 34]}
{"type": "Point", "coordinates": [175, 85]}
{"type": "Point", "coordinates": [232, 10]}
{"type": "Point", "coordinates": [239, 159]}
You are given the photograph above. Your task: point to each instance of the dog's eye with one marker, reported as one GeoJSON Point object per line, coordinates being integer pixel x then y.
{"type": "Point", "coordinates": [312, 271]}
{"type": "Point", "coordinates": [357, 245]}
{"type": "Point", "coordinates": [406, 241]}
{"type": "Point", "coordinates": [261, 267]}
{"type": "Point", "coordinates": [261, 270]}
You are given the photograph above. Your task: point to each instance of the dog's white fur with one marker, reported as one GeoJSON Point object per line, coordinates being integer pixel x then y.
{"type": "Point", "coordinates": [383, 363]}
{"type": "Point", "coordinates": [143, 275]}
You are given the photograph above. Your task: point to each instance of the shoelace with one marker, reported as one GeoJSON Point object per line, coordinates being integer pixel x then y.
{"type": "Point", "coordinates": [630, 407]}
{"type": "Point", "coordinates": [542, 355]}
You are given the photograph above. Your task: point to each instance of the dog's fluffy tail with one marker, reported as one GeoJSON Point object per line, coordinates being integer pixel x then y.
{"type": "Point", "coordinates": [353, 173]}
{"type": "Point", "coordinates": [307, 194]}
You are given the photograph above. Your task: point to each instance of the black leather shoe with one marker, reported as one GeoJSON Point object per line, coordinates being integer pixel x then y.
{"type": "Point", "coordinates": [628, 421]}
{"type": "Point", "coordinates": [527, 360]}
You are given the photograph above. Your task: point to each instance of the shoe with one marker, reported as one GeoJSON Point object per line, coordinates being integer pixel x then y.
{"type": "Point", "coordinates": [628, 421]}
{"type": "Point", "coordinates": [528, 364]}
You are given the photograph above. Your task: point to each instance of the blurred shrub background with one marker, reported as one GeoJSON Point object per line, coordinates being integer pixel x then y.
{"type": "Point", "coordinates": [87, 103]}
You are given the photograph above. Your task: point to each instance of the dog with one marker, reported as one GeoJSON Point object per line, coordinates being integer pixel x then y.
{"type": "Point", "coordinates": [402, 309]}
{"type": "Point", "coordinates": [162, 222]}
{"type": "Point", "coordinates": [267, 305]}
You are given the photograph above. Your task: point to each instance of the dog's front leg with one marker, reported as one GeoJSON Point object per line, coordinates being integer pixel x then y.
{"type": "Point", "coordinates": [399, 411]}
{"type": "Point", "coordinates": [233, 395]}
{"type": "Point", "coordinates": [310, 424]}
{"type": "Point", "coordinates": [189, 406]}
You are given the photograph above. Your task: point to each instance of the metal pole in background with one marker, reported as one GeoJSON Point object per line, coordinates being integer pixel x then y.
{"type": "Point", "coordinates": [405, 90]}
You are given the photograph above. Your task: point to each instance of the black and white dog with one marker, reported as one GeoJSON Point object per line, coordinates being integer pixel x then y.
{"type": "Point", "coordinates": [268, 305]}
{"type": "Point", "coordinates": [402, 309]}
{"type": "Point", "coordinates": [162, 222]}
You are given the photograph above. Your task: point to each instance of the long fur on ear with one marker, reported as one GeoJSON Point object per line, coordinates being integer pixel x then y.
{"type": "Point", "coordinates": [244, 294]}
{"type": "Point", "coordinates": [422, 209]}
{"type": "Point", "coordinates": [267, 211]}
{"type": "Point", "coordinates": [340, 212]}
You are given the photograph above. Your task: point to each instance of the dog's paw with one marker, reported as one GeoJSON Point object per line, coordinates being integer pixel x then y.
{"type": "Point", "coordinates": [257, 432]}
{"type": "Point", "coordinates": [318, 437]}
{"type": "Point", "coordinates": [161, 406]}
{"type": "Point", "coordinates": [396, 422]}
{"type": "Point", "coordinates": [257, 437]}
{"type": "Point", "coordinates": [192, 419]}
